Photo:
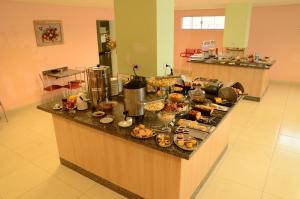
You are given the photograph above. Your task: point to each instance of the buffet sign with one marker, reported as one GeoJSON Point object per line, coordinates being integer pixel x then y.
{"type": "Point", "coordinates": [48, 32]}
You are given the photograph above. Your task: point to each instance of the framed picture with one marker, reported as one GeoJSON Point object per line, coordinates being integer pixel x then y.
{"type": "Point", "coordinates": [48, 32]}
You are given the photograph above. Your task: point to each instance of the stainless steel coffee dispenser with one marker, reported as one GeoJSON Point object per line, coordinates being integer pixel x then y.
{"type": "Point", "coordinates": [134, 97]}
{"type": "Point", "coordinates": [99, 84]}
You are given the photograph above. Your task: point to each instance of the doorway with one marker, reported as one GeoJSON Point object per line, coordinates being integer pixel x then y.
{"type": "Point", "coordinates": [107, 56]}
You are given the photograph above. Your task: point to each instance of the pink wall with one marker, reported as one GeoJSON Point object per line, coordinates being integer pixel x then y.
{"type": "Point", "coordinates": [21, 60]}
{"type": "Point", "coordinates": [192, 38]}
{"type": "Point", "coordinates": [273, 33]}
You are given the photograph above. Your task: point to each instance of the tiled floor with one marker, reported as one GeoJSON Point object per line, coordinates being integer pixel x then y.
{"type": "Point", "coordinates": [262, 161]}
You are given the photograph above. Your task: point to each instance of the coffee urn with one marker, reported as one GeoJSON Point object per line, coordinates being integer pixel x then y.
{"type": "Point", "coordinates": [99, 84]}
{"type": "Point", "coordinates": [134, 96]}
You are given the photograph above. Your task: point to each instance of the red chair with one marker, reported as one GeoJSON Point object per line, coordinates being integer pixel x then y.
{"type": "Point", "coordinates": [189, 52]}
{"type": "Point", "coordinates": [73, 85]}
{"type": "Point", "coordinates": [50, 88]}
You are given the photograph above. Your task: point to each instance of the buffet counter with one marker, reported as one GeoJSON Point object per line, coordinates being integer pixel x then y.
{"type": "Point", "coordinates": [255, 77]}
{"type": "Point", "coordinates": [135, 168]}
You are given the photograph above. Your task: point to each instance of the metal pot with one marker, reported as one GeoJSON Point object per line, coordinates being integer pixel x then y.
{"type": "Point", "coordinates": [134, 101]}
{"type": "Point", "coordinates": [228, 91]}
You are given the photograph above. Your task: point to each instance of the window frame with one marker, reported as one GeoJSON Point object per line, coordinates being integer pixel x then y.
{"type": "Point", "coordinates": [192, 26]}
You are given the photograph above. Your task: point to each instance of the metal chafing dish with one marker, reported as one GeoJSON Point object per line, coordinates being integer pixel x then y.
{"type": "Point", "coordinates": [231, 92]}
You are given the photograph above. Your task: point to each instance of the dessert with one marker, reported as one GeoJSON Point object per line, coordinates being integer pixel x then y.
{"type": "Point", "coordinates": [141, 131]}
{"type": "Point", "coordinates": [181, 107]}
{"type": "Point", "coordinates": [238, 91]}
{"type": "Point", "coordinates": [194, 115]}
{"type": "Point", "coordinates": [204, 109]}
{"type": "Point", "coordinates": [176, 97]}
{"type": "Point", "coordinates": [218, 100]}
{"type": "Point", "coordinates": [175, 107]}
{"type": "Point", "coordinates": [154, 106]}
{"type": "Point", "coordinates": [177, 89]}
{"type": "Point", "coordinates": [185, 141]}
{"type": "Point", "coordinates": [166, 116]}
{"type": "Point", "coordinates": [163, 140]}
{"type": "Point", "coordinates": [192, 125]}
{"type": "Point", "coordinates": [180, 142]}
{"type": "Point", "coordinates": [170, 107]}
{"type": "Point", "coordinates": [162, 82]}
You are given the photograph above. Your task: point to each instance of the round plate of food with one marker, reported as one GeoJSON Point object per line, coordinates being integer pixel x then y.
{"type": "Point", "coordinates": [185, 141]}
{"type": "Point", "coordinates": [164, 140]}
{"type": "Point", "coordinates": [141, 132]}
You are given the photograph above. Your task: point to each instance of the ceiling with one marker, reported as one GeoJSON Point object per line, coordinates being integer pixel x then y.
{"type": "Point", "coordinates": [179, 4]}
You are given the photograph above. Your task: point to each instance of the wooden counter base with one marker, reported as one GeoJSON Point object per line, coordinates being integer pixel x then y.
{"type": "Point", "coordinates": [123, 191]}
{"type": "Point", "coordinates": [128, 167]}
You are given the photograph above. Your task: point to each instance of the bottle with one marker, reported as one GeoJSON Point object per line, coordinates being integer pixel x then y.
{"type": "Point", "coordinates": [64, 101]}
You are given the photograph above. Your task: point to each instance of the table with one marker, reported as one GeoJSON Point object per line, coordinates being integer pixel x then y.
{"type": "Point", "coordinates": [62, 72]}
{"type": "Point", "coordinates": [109, 155]}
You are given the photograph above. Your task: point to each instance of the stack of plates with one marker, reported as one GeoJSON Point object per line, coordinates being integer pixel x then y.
{"type": "Point", "coordinates": [114, 86]}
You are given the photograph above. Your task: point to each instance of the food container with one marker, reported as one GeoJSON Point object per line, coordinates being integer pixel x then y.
{"type": "Point", "coordinates": [205, 110]}
{"type": "Point", "coordinates": [99, 86]}
{"type": "Point", "coordinates": [197, 95]}
{"type": "Point", "coordinates": [231, 91]}
{"type": "Point", "coordinates": [134, 97]}
{"type": "Point", "coordinates": [115, 87]}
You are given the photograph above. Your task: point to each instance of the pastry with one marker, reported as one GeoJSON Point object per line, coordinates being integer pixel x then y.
{"type": "Point", "coordinates": [162, 82]}
{"type": "Point", "coordinates": [141, 132]}
{"type": "Point", "coordinates": [201, 128]}
{"type": "Point", "coordinates": [204, 109]}
{"type": "Point", "coordinates": [180, 136]}
{"type": "Point", "coordinates": [188, 144]}
{"type": "Point", "coordinates": [176, 97]}
{"type": "Point", "coordinates": [141, 126]}
{"type": "Point", "coordinates": [192, 124]}
{"type": "Point", "coordinates": [163, 140]}
{"type": "Point", "coordinates": [194, 115]}
{"type": "Point", "coordinates": [154, 106]}
{"type": "Point", "coordinates": [178, 89]}
{"type": "Point", "coordinates": [180, 142]}
{"type": "Point", "coordinates": [218, 100]}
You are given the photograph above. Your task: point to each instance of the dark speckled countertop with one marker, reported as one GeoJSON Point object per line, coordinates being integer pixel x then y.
{"type": "Point", "coordinates": [215, 62]}
{"type": "Point", "coordinates": [86, 118]}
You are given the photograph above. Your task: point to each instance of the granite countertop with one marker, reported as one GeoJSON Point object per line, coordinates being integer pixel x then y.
{"type": "Point", "coordinates": [86, 118]}
{"type": "Point", "coordinates": [215, 62]}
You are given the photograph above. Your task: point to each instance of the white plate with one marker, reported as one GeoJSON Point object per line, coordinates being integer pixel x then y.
{"type": "Point", "coordinates": [98, 114]}
{"type": "Point", "coordinates": [106, 120]}
{"type": "Point", "coordinates": [184, 147]}
{"type": "Point", "coordinates": [124, 123]}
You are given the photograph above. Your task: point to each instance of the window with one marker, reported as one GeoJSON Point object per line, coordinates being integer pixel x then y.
{"type": "Point", "coordinates": [203, 22]}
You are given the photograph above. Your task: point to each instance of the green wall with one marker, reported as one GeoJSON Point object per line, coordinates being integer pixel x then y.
{"type": "Point", "coordinates": [144, 35]}
{"type": "Point", "coordinates": [237, 25]}
{"type": "Point", "coordinates": [165, 34]}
